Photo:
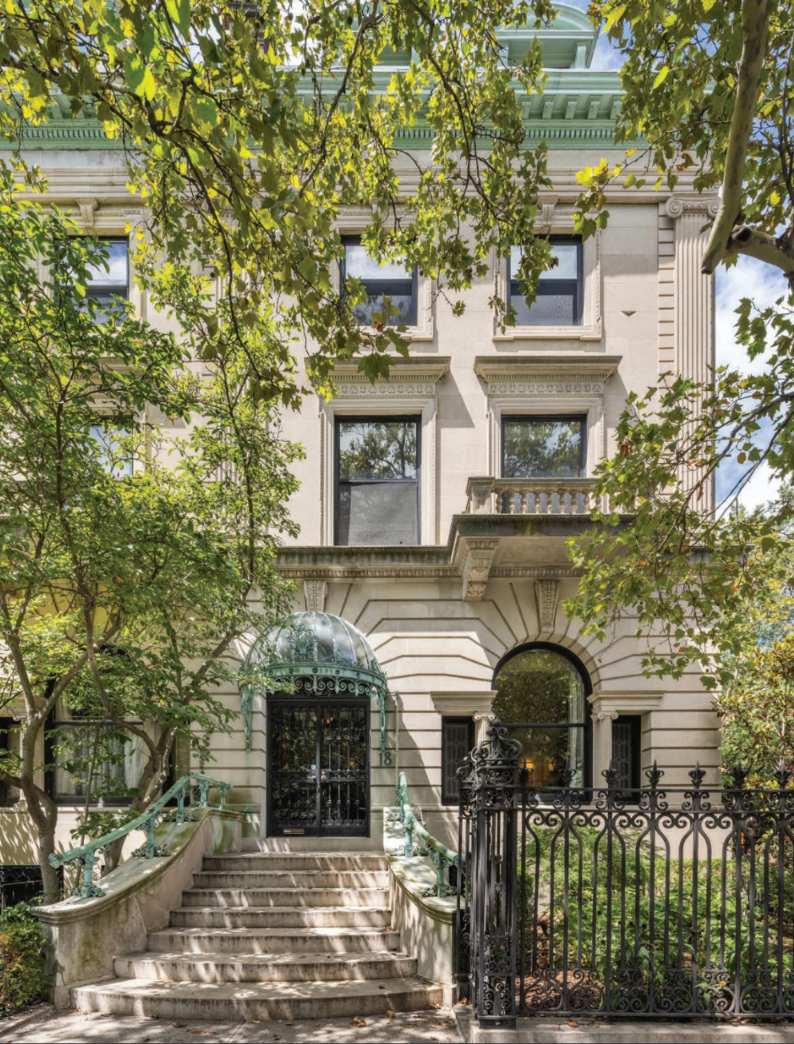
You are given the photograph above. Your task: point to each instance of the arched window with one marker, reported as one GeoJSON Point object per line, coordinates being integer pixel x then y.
{"type": "Point", "coordinates": [542, 695]}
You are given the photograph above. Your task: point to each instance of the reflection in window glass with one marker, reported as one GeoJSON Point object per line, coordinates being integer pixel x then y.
{"type": "Point", "coordinates": [560, 289]}
{"type": "Point", "coordinates": [388, 280]}
{"type": "Point", "coordinates": [110, 286]}
{"type": "Point", "coordinates": [377, 482]}
{"type": "Point", "coordinates": [541, 697]}
{"type": "Point", "coordinates": [97, 751]}
{"type": "Point", "coordinates": [543, 447]}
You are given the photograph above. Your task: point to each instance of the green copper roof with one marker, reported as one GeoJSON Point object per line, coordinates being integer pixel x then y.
{"type": "Point", "coordinates": [577, 108]}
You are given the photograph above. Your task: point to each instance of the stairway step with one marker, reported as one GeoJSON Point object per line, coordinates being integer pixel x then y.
{"type": "Point", "coordinates": [281, 917]}
{"type": "Point", "coordinates": [270, 967]}
{"type": "Point", "coordinates": [295, 879]}
{"type": "Point", "coordinates": [300, 861]}
{"type": "Point", "coordinates": [236, 1002]}
{"type": "Point", "coordinates": [253, 897]}
{"type": "Point", "coordinates": [273, 940]}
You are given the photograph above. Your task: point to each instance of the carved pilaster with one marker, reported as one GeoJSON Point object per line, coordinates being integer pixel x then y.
{"type": "Point", "coordinates": [694, 298]}
{"type": "Point", "coordinates": [546, 595]}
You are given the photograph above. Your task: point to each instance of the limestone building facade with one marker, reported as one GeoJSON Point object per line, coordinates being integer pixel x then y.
{"type": "Point", "coordinates": [435, 506]}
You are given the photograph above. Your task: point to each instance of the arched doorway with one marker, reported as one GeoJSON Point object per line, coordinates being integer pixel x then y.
{"type": "Point", "coordinates": [321, 677]}
{"type": "Point", "coordinates": [542, 692]}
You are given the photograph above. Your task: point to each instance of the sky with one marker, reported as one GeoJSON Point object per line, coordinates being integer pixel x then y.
{"type": "Point", "coordinates": [749, 278]}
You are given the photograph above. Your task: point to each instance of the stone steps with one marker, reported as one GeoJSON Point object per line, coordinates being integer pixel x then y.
{"type": "Point", "coordinates": [282, 917]}
{"type": "Point", "coordinates": [228, 898]}
{"type": "Point", "coordinates": [300, 861]}
{"type": "Point", "coordinates": [264, 967]}
{"type": "Point", "coordinates": [271, 936]}
{"type": "Point", "coordinates": [273, 940]}
{"type": "Point", "coordinates": [275, 1000]}
{"type": "Point", "coordinates": [294, 879]}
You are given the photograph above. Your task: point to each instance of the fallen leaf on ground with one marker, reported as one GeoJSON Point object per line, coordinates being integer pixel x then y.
{"type": "Point", "coordinates": [572, 1023]}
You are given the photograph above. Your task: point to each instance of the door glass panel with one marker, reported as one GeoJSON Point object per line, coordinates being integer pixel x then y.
{"type": "Point", "coordinates": [319, 768]}
{"type": "Point", "coordinates": [343, 776]}
{"type": "Point", "coordinates": [293, 786]}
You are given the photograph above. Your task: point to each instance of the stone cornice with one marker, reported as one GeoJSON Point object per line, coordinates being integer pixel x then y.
{"type": "Point", "coordinates": [416, 368]}
{"type": "Point", "coordinates": [569, 367]}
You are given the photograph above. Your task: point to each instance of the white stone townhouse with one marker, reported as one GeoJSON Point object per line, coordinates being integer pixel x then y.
{"type": "Point", "coordinates": [435, 507]}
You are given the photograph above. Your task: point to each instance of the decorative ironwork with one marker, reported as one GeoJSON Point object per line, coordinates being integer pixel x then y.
{"type": "Point", "coordinates": [22, 884]}
{"type": "Point", "coordinates": [441, 856]}
{"type": "Point", "coordinates": [313, 655]}
{"type": "Point", "coordinates": [86, 856]}
{"type": "Point", "coordinates": [318, 778]}
{"type": "Point", "coordinates": [652, 903]}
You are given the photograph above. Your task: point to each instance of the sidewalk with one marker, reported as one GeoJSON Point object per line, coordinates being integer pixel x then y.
{"type": "Point", "coordinates": [44, 1025]}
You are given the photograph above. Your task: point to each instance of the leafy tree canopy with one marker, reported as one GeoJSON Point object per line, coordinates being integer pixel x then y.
{"type": "Point", "coordinates": [161, 565]}
{"type": "Point", "coordinates": [249, 126]}
{"type": "Point", "coordinates": [709, 88]}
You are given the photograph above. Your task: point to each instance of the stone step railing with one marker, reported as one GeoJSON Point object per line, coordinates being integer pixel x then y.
{"type": "Point", "coordinates": [85, 857]}
{"type": "Point", "coordinates": [538, 496]}
{"type": "Point", "coordinates": [441, 856]}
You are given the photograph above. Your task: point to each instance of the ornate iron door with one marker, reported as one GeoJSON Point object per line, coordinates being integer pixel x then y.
{"type": "Point", "coordinates": [318, 768]}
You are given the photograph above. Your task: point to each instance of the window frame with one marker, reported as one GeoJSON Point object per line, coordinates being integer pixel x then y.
{"type": "Point", "coordinates": [453, 719]}
{"type": "Point", "coordinates": [51, 725]}
{"type": "Point", "coordinates": [355, 240]}
{"type": "Point", "coordinates": [7, 723]}
{"type": "Point", "coordinates": [378, 418]}
{"type": "Point", "coordinates": [586, 725]}
{"type": "Point", "coordinates": [529, 417]}
{"type": "Point", "coordinates": [549, 285]}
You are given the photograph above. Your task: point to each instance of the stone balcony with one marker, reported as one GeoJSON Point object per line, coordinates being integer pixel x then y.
{"type": "Point", "coordinates": [510, 529]}
{"type": "Point", "coordinates": [538, 496]}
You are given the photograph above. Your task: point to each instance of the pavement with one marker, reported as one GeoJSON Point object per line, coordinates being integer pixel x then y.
{"type": "Point", "coordinates": [44, 1025]}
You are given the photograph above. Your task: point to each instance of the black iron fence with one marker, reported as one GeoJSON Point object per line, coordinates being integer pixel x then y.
{"type": "Point", "coordinates": [662, 902]}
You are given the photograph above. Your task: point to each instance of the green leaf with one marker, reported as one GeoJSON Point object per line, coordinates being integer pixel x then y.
{"type": "Point", "coordinates": [661, 76]}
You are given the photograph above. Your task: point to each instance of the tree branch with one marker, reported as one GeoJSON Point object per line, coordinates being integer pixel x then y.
{"type": "Point", "coordinates": [755, 26]}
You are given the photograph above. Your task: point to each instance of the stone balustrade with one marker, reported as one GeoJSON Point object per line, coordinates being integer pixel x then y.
{"type": "Point", "coordinates": [538, 496]}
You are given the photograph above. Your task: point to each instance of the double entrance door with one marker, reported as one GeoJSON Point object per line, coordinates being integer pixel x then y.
{"type": "Point", "coordinates": [318, 767]}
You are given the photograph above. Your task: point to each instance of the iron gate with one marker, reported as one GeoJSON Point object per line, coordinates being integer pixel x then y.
{"type": "Point", "coordinates": [318, 767]}
{"type": "Point", "coordinates": [659, 902]}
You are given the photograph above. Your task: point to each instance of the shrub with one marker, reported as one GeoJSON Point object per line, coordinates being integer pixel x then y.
{"type": "Point", "coordinates": [22, 941]}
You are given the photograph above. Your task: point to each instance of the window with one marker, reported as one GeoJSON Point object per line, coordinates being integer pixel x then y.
{"type": "Point", "coordinates": [543, 447]}
{"type": "Point", "coordinates": [9, 740]}
{"type": "Point", "coordinates": [89, 755]}
{"type": "Point", "coordinates": [541, 696]}
{"type": "Point", "coordinates": [110, 286]}
{"type": "Point", "coordinates": [389, 280]}
{"type": "Point", "coordinates": [377, 481]}
{"type": "Point", "coordinates": [22, 884]}
{"type": "Point", "coordinates": [457, 739]}
{"type": "Point", "coordinates": [560, 289]}
{"type": "Point", "coordinates": [627, 752]}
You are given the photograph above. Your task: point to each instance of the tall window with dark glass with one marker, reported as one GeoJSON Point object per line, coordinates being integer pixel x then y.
{"type": "Point", "coordinates": [560, 293]}
{"type": "Point", "coordinates": [377, 480]}
{"type": "Point", "coordinates": [390, 288]}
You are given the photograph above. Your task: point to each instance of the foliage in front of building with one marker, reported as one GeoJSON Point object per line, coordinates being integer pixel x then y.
{"type": "Point", "coordinates": [137, 543]}
{"type": "Point", "coordinates": [22, 977]}
{"type": "Point", "coordinates": [255, 126]}
{"type": "Point", "coordinates": [711, 95]}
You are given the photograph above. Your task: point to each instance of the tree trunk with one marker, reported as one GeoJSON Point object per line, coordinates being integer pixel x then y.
{"type": "Point", "coordinates": [44, 813]}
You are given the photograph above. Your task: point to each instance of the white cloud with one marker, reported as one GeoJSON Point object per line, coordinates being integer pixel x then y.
{"type": "Point", "coordinates": [748, 278]}
{"type": "Point", "coordinates": [763, 486]}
